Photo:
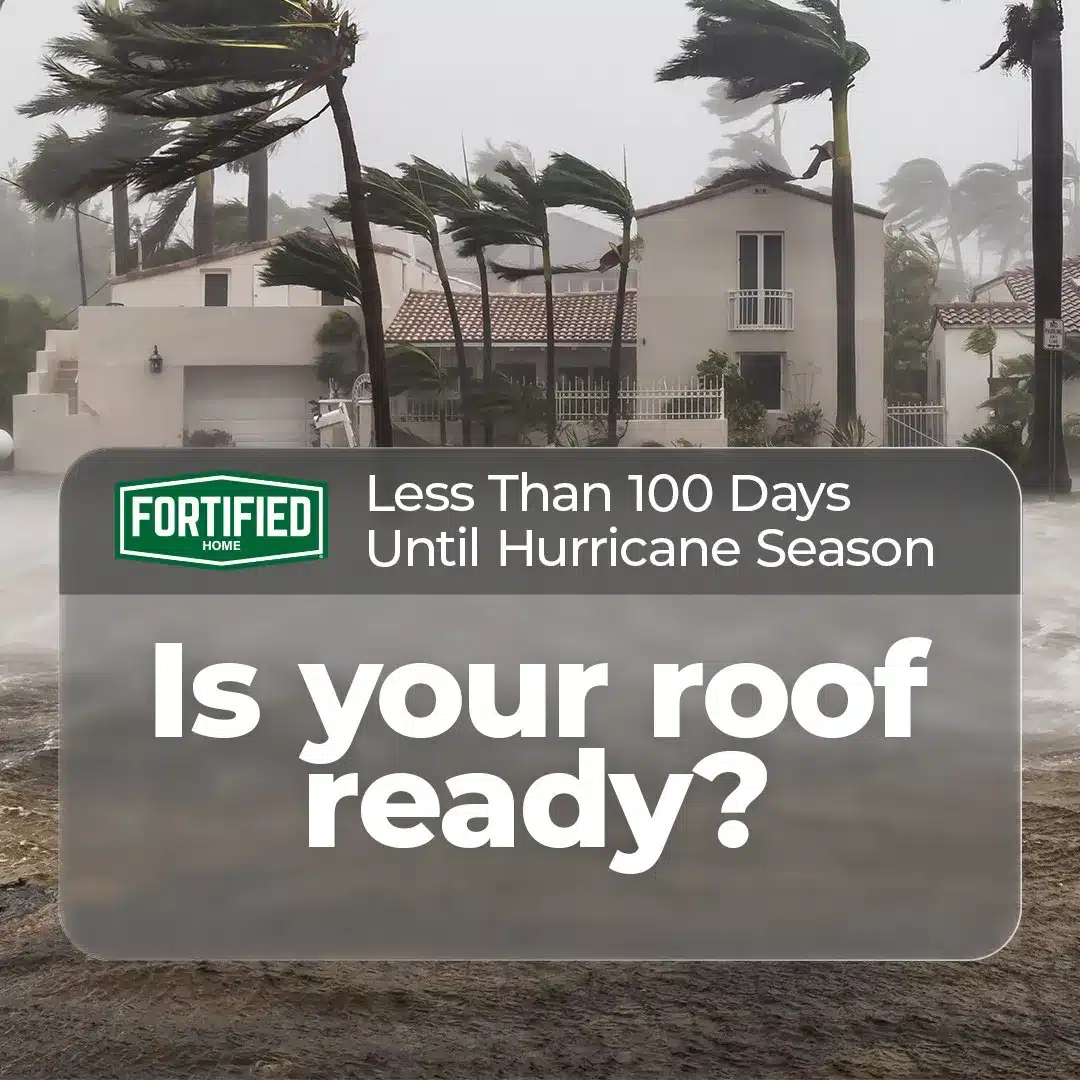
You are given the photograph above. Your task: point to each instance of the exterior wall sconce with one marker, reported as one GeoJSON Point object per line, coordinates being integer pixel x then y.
{"type": "Point", "coordinates": [155, 361]}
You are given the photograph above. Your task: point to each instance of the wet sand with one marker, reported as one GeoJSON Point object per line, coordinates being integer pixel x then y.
{"type": "Point", "coordinates": [67, 1016]}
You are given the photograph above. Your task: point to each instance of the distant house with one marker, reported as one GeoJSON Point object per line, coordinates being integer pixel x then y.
{"type": "Point", "coordinates": [573, 242]}
{"type": "Point", "coordinates": [583, 331]}
{"type": "Point", "coordinates": [235, 357]}
{"type": "Point", "coordinates": [958, 378]}
{"type": "Point", "coordinates": [747, 269]}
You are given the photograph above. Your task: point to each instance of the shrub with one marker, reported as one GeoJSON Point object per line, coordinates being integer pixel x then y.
{"type": "Point", "coordinates": [1004, 440]}
{"type": "Point", "coordinates": [202, 438]}
{"type": "Point", "coordinates": [800, 427]}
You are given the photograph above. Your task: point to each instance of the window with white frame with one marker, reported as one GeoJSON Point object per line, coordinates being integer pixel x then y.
{"type": "Point", "coordinates": [763, 374]}
{"type": "Point", "coordinates": [761, 262]}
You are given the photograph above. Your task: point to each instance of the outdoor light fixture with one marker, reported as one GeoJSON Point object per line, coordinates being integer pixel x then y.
{"type": "Point", "coordinates": [155, 362]}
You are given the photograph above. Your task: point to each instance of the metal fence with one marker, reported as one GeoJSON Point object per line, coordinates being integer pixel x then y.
{"type": "Point", "coordinates": [915, 425]}
{"type": "Point", "coordinates": [587, 400]}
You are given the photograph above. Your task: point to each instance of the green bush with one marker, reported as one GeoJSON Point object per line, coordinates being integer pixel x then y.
{"type": "Point", "coordinates": [1005, 440]}
{"type": "Point", "coordinates": [202, 438]}
{"type": "Point", "coordinates": [800, 427]}
{"type": "Point", "coordinates": [745, 415]}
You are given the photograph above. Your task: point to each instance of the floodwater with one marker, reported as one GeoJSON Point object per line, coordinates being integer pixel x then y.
{"type": "Point", "coordinates": [29, 611]}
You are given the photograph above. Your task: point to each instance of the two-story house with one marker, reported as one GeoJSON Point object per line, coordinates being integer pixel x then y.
{"type": "Point", "coordinates": [747, 269]}
{"type": "Point", "coordinates": [198, 345]}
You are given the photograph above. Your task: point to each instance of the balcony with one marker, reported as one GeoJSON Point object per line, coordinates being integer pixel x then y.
{"type": "Point", "coordinates": [761, 309]}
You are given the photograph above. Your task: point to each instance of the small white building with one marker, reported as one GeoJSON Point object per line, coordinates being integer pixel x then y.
{"type": "Point", "coordinates": [958, 378]}
{"type": "Point", "coordinates": [747, 269]}
{"type": "Point", "coordinates": [235, 357]}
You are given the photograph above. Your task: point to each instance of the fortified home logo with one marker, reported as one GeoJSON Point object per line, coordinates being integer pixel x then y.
{"type": "Point", "coordinates": [222, 521]}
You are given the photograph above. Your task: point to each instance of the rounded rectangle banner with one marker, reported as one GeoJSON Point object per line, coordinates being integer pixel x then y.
{"type": "Point", "coordinates": [476, 704]}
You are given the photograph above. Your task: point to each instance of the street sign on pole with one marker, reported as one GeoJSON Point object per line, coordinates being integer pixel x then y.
{"type": "Point", "coordinates": [1054, 334]}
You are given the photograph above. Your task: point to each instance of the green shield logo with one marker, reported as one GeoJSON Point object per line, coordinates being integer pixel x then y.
{"type": "Point", "coordinates": [222, 521]}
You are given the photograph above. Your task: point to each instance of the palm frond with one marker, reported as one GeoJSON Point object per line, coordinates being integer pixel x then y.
{"type": "Point", "coordinates": [313, 262]}
{"type": "Point", "coordinates": [393, 204]}
{"type": "Point", "coordinates": [166, 217]}
{"type": "Point", "coordinates": [411, 369]}
{"type": "Point", "coordinates": [762, 172]}
{"type": "Point", "coordinates": [571, 181]}
{"type": "Point", "coordinates": [444, 192]}
{"type": "Point", "coordinates": [490, 227]}
{"type": "Point", "coordinates": [523, 273]}
{"type": "Point", "coordinates": [760, 47]}
{"type": "Point", "coordinates": [203, 147]}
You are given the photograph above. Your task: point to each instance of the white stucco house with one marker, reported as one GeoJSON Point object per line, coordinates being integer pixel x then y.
{"type": "Point", "coordinates": [957, 378]}
{"type": "Point", "coordinates": [235, 356]}
{"type": "Point", "coordinates": [747, 269]}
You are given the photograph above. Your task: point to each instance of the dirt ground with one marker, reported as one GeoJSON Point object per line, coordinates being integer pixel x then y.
{"type": "Point", "coordinates": [63, 1016]}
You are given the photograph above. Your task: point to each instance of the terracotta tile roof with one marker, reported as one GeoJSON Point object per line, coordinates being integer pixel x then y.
{"type": "Point", "coordinates": [516, 318]}
{"type": "Point", "coordinates": [1021, 311]}
{"type": "Point", "coordinates": [725, 189]}
{"type": "Point", "coordinates": [979, 314]}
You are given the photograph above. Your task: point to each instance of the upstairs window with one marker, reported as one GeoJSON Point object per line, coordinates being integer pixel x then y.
{"type": "Point", "coordinates": [327, 299]}
{"type": "Point", "coordinates": [216, 290]}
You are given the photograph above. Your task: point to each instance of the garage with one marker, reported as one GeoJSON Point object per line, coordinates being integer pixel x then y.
{"type": "Point", "coordinates": [259, 406]}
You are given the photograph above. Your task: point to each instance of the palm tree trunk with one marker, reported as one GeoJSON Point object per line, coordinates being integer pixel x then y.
{"type": "Point", "coordinates": [459, 341]}
{"type": "Point", "coordinates": [958, 255]}
{"type": "Point", "coordinates": [79, 255]}
{"type": "Point", "coordinates": [121, 223]}
{"type": "Point", "coordinates": [488, 369]}
{"type": "Point", "coordinates": [615, 364]}
{"type": "Point", "coordinates": [203, 225]}
{"type": "Point", "coordinates": [258, 197]}
{"type": "Point", "coordinates": [1046, 468]}
{"type": "Point", "coordinates": [843, 227]}
{"type": "Point", "coordinates": [552, 408]}
{"type": "Point", "coordinates": [367, 266]}
{"type": "Point", "coordinates": [778, 130]}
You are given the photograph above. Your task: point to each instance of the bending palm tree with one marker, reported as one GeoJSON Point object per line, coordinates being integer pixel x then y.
{"type": "Point", "coordinates": [398, 205]}
{"type": "Point", "coordinates": [229, 85]}
{"type": "Point", "coordinates": [569, 181]}
{"type": "Point", "coordinates": [761, 47]}
{"type": "Point", "coordinates": [514, 211]}
{"type": "Point", "coordinates": [458, 202]}
{"type": "Point", "coordinates": [1032, 44]}
{"type": "Point", "coordinates": [919, 194]}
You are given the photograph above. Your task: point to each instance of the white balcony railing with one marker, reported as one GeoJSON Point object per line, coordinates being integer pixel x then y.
{"type": "Point", "coordinates": [761, 309]}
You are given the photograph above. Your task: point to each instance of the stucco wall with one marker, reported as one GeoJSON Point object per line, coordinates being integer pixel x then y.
{"type": "Point", "coordinates": [964, 376]}
{"type": "Point", "coordinates": [123, 403]}
{"type": "Point", "coordinates": [690, 262]}
{"type": "Point", "coordinates": [184, 287]}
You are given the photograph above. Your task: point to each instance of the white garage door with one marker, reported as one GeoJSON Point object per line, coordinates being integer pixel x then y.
{"type": "Point", "coordinates": [257, 406]}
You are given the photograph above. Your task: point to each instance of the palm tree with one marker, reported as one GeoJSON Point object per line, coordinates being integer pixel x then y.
{"type": "Point", "coordinates": [1032, 44]}
{"type": "Point", "coordinates": [569, 181]}
{"type": "Point", "coordinates": [748, 145]}
{"type": "Point", "coordinates": [458, 202]}
{"type": "Point", "coordinates": [919, 195]}
{"type": "Point", "coordinates": [411, 370]}
{"type": "Point", "coordinates": [761, 47]}
{"type": "Point", "coordinates": [394, 203]}
{"type": "Point", "coordinates": [228, 86]}
{"type": "Point", "coordinates": [514, 211]}
{"type": "Point", "coordinates": [987, 200]}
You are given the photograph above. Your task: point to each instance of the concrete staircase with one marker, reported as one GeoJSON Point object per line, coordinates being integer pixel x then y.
{"type": "Point", "coordinates": [67, 382]}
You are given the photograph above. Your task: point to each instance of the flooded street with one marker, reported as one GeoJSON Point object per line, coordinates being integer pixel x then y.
{"type": "Point", "coordinates": [1012, 1015]}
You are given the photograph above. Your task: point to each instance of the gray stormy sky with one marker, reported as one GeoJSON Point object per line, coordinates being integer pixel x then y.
{"type": "Point", "coordinates": [430, 71]}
